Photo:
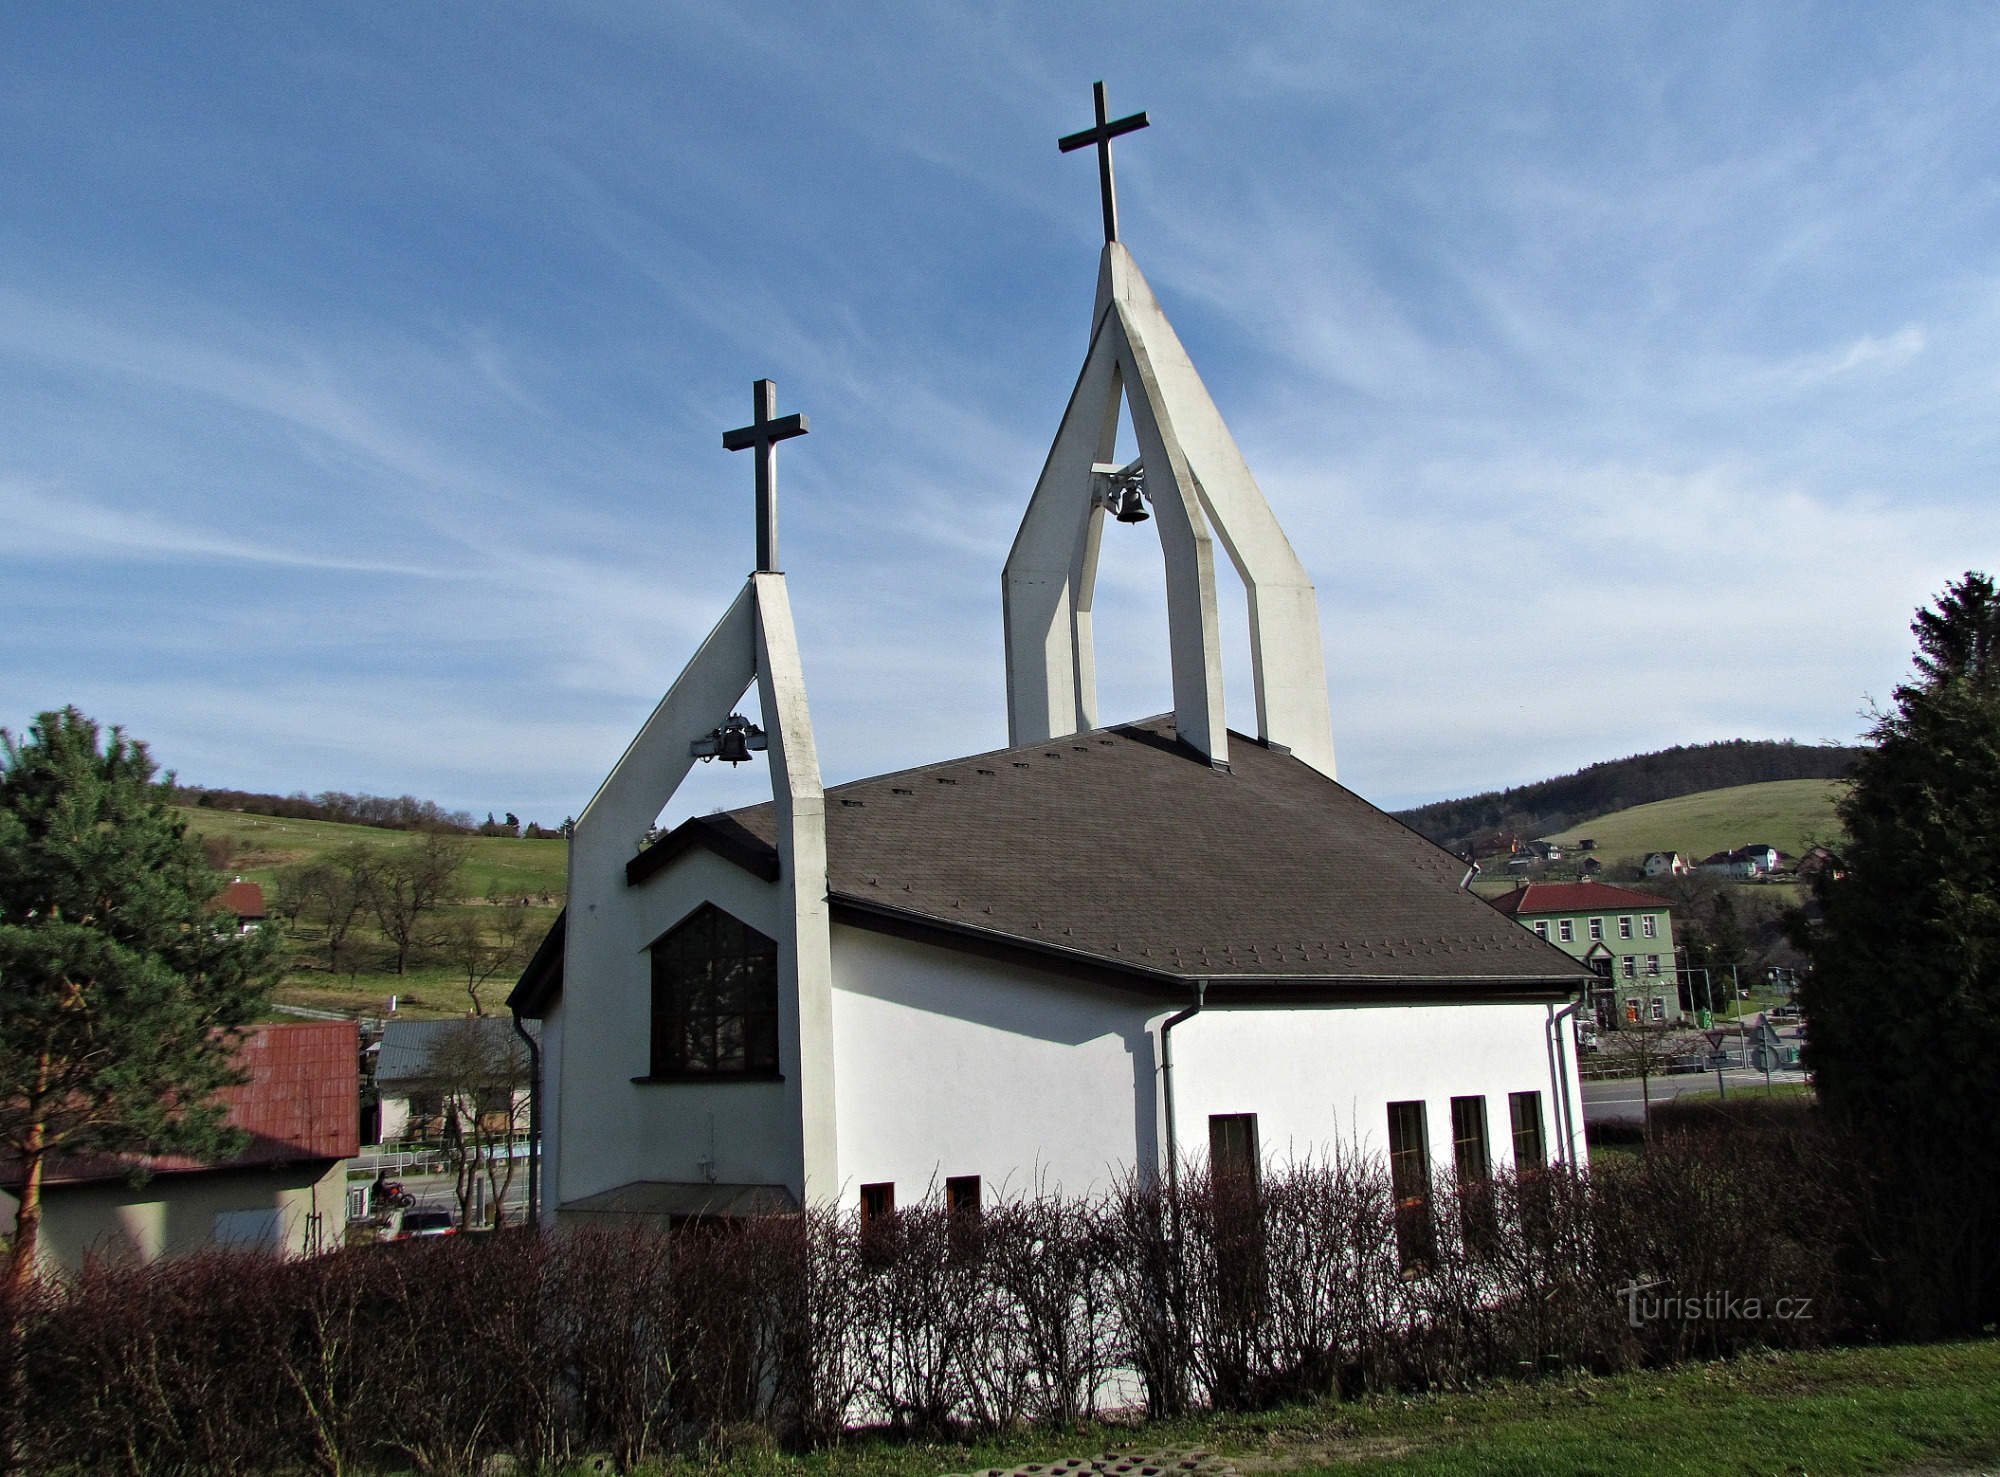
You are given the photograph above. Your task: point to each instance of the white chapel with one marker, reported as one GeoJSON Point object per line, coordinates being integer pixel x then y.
{"type": "Point", "coordinates": [1102, 950]}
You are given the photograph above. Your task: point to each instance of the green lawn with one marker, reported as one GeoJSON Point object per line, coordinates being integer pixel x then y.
{"type": "Point", "coordinates": [1901, 1409]}
{"type": "Point", "coordinates": [260, 847]}
{"type": "Point", "coordinates": [1787, 814]}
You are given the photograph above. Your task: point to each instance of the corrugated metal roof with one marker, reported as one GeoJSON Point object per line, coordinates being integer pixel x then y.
{"type": "Point", "coordinates": [302, 1102]}
{"type": "Point", "coordinates": [407, 1045]}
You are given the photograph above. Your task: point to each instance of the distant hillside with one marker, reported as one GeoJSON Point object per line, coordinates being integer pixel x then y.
{"type": "Point", "coordinates": [1788, 814]}
{"type": "Point", "coordinates": [1552, 806]}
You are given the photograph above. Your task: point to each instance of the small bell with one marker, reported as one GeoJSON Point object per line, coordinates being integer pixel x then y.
{"type": "Point", "coordinates": [1132, 507]}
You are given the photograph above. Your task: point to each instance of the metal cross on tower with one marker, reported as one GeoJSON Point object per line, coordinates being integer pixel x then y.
{"type": "Point", "coordinates": [764, 433]}
{"type": "Point", "coordinates": [1102, 135]}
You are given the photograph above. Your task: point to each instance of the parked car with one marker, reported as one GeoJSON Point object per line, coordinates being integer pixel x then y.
{"type": "Point", "coordinates": [426, 1223]}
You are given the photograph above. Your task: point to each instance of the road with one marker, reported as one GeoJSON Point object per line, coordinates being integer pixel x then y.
{"type": "Point", "coordinates": [1620, 1098]}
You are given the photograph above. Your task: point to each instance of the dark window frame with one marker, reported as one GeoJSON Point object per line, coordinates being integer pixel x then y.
{"type": "Point", "coordinates": [1528, 1135]}
{"type": "Point", "coordinates": [1234, 1149]}
{"type": "Point", "coordinates": [962, 1196]}
{"type": "Point", "coordinates": [1410, 1183]}
{"type": "Point", "coordinates": [714, 1001]}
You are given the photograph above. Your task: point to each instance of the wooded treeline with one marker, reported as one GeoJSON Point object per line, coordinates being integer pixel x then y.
{"type": "Point", "coordinates": [390, 813]}
{"type": "Point", "coordinates": [1686, 769]}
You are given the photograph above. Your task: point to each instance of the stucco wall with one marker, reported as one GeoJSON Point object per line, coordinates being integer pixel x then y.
{"type": "Point", "coordinates": [951, 1065]}
{"type": "Point", "coordinates": [171, 1215]}
{"type": "Point", "coordinates": [609, 1131]}
{"type": "Point", "coordinates": [1325, 1076]}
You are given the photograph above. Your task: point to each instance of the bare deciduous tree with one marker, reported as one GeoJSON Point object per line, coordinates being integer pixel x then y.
{"type": "Point", "coordinates": [481, 1072]}
{"type": "Point", "coordinates": [409, 884]}
{"type": "Point", "coordinates": [488, 943]}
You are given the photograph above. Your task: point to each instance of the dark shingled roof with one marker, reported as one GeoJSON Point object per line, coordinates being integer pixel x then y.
{"type": "Point", "coordinates": [1123, 855]}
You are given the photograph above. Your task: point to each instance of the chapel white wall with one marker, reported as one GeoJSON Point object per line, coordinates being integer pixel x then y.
{"type": "Point", "coordinates": [952, 1065]}
{"type": "Point", "coordinates": [1324, 1076]}
{"type": "Point", "coordinates": [610, 1131]}
{"type": "Point", "coordinates": [955, 1065]}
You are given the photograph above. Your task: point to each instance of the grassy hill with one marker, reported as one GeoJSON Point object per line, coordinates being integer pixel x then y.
{"type": "Point", "coordinates": [1788, 814]}
{"type": "Point", "coordinates": [1562, 804]}
{"type": "Point", "coordinates": [259, 847]}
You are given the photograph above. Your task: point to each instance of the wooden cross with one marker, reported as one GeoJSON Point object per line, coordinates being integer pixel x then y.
{"type": "Point", "coordinates": [1102, 135]}
{"type": "Point", "coordinates": [764, 433]}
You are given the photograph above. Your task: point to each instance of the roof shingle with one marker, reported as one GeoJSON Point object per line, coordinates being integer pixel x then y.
{"type": "Point", "coordinates": [1123, 848]}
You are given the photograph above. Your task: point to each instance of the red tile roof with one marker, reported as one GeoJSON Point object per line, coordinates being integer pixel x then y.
{"type": "Point", "coordinates": [244, 899]}
{"type": "Point", "coordinates": [302, 1102]}
{"type": "Point", "coordinates": [1573, 897]}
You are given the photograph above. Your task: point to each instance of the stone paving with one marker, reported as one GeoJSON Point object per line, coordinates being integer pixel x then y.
{"type": "Point", "coordinates": [1122, 1464]}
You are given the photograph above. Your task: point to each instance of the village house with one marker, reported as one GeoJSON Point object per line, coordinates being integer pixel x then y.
{"type": "Point", "coordinates": [1627, 939]}
{"type": "Point", "coordinates": [285, 1192]}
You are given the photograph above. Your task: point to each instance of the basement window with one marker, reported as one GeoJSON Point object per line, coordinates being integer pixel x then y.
{"type": "Point", "coordinates": [961, 1195]}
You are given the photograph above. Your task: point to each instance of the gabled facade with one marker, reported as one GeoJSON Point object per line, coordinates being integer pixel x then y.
{"type": "Point", "coordinates": [1626, 937]}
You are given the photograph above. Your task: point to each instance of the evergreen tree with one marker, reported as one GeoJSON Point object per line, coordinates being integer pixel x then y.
{"type": "Point", "coordinates": [1903, 1002]}
{"type": "Point", "coordinates": [121, 995]}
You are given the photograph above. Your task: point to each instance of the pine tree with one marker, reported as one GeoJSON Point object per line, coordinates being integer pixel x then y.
{"type": "Point", "coordinates": [1903, 1002]}
{"type": "Point", "coordinates": [121, 995]}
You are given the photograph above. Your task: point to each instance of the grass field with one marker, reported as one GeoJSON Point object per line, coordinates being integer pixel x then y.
{"type": "Point", "coordinates": [1932, 1409]}
{"type": "Point", "coordinates": [260, 847]}
{"type": "Point", "coordinates": [1788, 814]}
{"type": "Point", "coordinates": [263, 845]}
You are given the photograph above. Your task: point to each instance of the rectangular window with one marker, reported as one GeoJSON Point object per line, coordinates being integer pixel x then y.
{"type": "Point", "coordinates": [1646, 925]}
{"type": "Point", "coordinates": [878, 1204]}
{"type": "Point", "coordinates": [1597, 928]}
{"type": "Point", "coordinates": [1468, 1139]}
{"type": "Point", "coordinates": [1652, 964]}
{"type": "Point", "coordinates": [1541, 928]}
{"type": "Point", "coordinates": [961, 1195]}
{"type": "Point", "coordinates": [1566, 930]}
{"type": "Point", "coordinates": [1410, 1182]}
{"type": "Point", "coordinates": [1625, 926]}
{"type": "Point", "coordinates": [1631, 966]}
{"type": "Point", "coordinates": [1474, 1165]}
{"type": "Point", "coordinates": [1526, 1111]}
{"type": "Point", "coordinates": [1659, 1008]}
{"type": "Point", "coordinates": [1232, 1148]}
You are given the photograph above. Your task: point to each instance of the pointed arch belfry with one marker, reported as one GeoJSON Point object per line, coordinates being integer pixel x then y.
{"type": "Point", "coordinates": [1200, 490]}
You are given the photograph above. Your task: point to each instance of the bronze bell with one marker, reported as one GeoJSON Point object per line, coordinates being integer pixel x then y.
{"type": "Point", "coordinates": [1132, 507]}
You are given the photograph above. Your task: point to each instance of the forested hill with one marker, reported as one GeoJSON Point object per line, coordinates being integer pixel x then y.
{"type": "Point", "coordinates": [1553, 805]}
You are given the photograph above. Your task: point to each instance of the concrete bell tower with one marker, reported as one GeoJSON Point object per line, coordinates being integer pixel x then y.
{"type": "Point", "coordinates": [1199, 488]}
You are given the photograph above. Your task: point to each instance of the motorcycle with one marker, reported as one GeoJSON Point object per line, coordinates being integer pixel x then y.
{"type": "Point", "coordinates": [390, 1195]}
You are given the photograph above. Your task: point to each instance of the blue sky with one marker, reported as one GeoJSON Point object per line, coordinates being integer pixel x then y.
{"type": "Point", "coordinates": [1624, 375]}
